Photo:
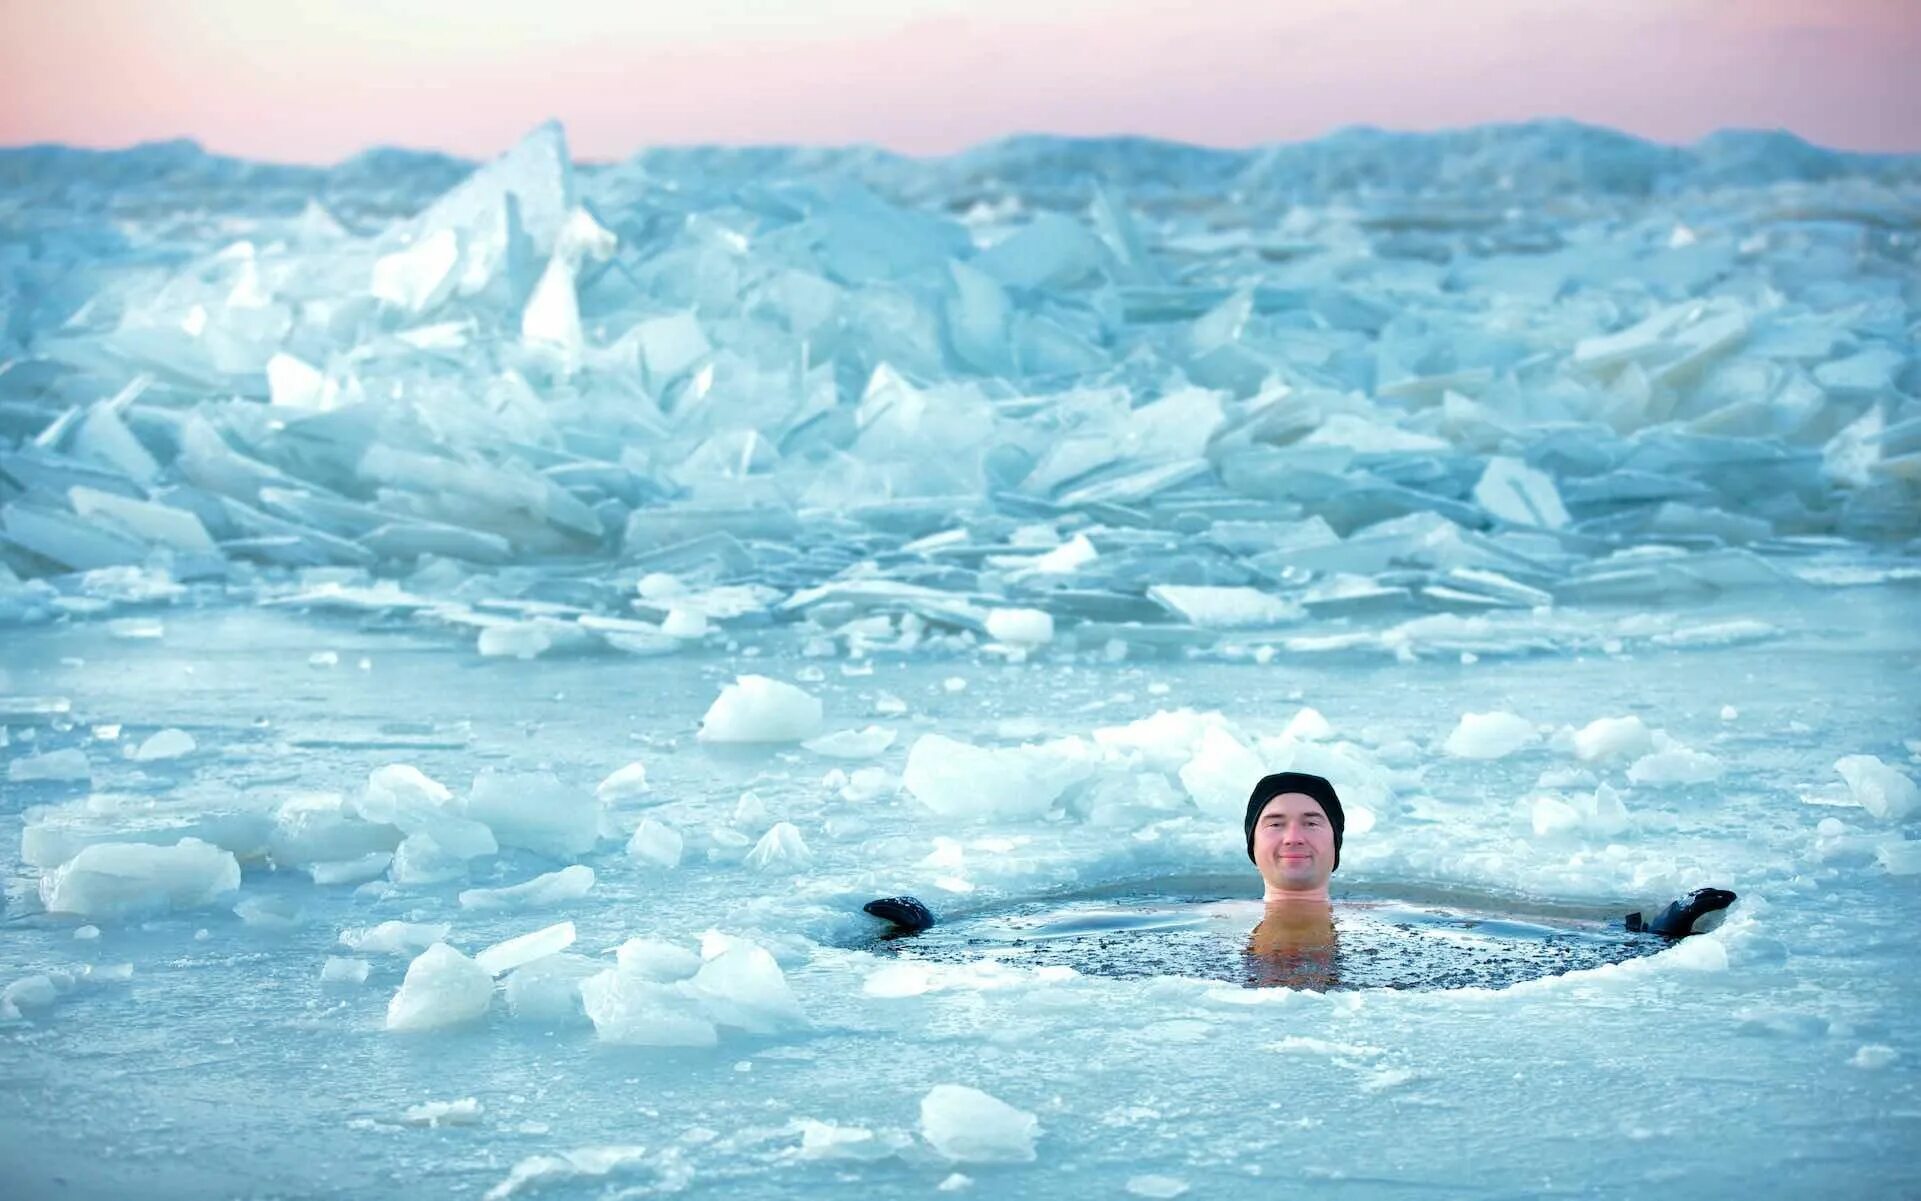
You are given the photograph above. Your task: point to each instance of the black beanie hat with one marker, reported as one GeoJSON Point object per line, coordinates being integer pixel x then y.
{"type": "Point", "coordinates": [1296, 781]}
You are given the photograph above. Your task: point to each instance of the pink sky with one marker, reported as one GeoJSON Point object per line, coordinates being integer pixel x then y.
{"type": "Point", "coordinates": [317, 80]}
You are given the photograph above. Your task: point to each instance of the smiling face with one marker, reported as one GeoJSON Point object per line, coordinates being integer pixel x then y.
{"type": "Point", "coordinates": [1294, 847]}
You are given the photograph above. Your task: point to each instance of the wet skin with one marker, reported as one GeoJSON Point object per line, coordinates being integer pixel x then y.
{"type": "Point", "coordinates": [1293, 946]}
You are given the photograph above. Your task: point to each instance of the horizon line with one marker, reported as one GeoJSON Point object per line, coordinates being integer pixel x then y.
{"type": "Point", "coordinates": [1358, 127]}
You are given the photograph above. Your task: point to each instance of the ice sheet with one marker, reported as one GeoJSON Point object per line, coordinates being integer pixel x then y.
{"type": "Point", "coordinates": [1485, 472]}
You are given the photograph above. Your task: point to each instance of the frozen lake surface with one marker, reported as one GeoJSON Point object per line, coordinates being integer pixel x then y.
{"type": "Point", "coordinates": [473, 636]}
{"type": "Point", "coordinates": [1772, 1056]}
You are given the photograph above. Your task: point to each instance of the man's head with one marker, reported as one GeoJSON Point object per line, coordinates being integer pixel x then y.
{"type": "Point", "coordinates": [1294, 826]}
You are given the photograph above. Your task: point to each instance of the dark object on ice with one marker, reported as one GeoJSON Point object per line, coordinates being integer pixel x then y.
{"type": "Point", "coordinates": [907, 914]}
{"type": "Point", "coordinates": [1317, 787]}
{"type": "Point", "coordinates": [1677, 920]}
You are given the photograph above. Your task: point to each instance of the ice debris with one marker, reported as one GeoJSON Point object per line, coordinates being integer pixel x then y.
{"type": "Point", "coordinates": [576, 1164]}
{"type": "Point", "coordinates": [1488, 736]}
{"type": "Point", "coordinates": [969, 1126]}
{"type": "Point", "coordinates": [758, 709]}
{"type": "Point", "coordinates": [394, 937]}
{"type": "Point", "coordinates": [655, 844]}
{"type": "Point", "coordinates": [1880, 789]}
{"type": "Point", "coordinates": [1612, 737]}
{"type": "Point", "coordinates": [535, 811]}
{"type": "Point", "coordinates": [341, 970]}
{"type": "Point", "coordinates": [505, 956]}
{"type": "Point", "coordinates": [828, 1141]}
{"type": "Point", "coordinates": [553, 888]}
{"type": "Point", "coordinates": [970, 783]}
{"type": "Point", "coordinates": [165, 744]}
{"type": "Point", "coordinates": [548, 989]}
{"type": "Point", "coordinates": [66, 764]}
{"type": "Point", "coordinates": [623, 783]}
{"type": "Point", "coordinates": [464, 1112]}
{"type": "Point", "coordinates": [442, 988]}
{"type": "Point", "coordinates": [781, 849]}
{"type": "Point", "coordinates": [1674, 763]}
{"type": "Point", "coordinates": [808, 394]}
{"type": "Point", "coordinates": [121, 880]}
{"type": "Point", "coordinates": [864, 743]}
{"type": "Point", "coordinates": [659, 995]}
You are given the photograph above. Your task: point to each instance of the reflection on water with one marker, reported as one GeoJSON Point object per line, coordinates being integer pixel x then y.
{"type": "Point", "coordinates": [1295, 945]}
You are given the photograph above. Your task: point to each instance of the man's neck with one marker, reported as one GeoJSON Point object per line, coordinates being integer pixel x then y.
{"type": "Point", "coordinates": [1280, 896]}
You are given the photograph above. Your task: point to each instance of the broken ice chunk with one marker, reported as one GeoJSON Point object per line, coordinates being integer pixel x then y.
{"type": "Point", "coordinates": [319, 828]}
{"type": "Point", "coordinates": [653, 959]}
{"type": "Point", "coordinates": [757, 709]}
{"type": "Point", "coordinates": [1308, 725]}
{"type": "Point", "coordinates": [1020, 627]}
{"type": "Point", "coordinates": [535, 811]}
{"type": "Point", "coordinates": [69, 763]}
{"type": "Point", "coordinates": [400, 795]}
{"type": "Point", "coordinates": [1612, 737]}
{"type": "Point", "coordinates": [1550, 815]}
{"type": "Point", "coordinates": [269, 913]}
{"type": "Point", "coordinates": [144, 519]}
{"type": "Point", "coordinates": [419, 277]}
{"type": "Point", "coordinates": [1488, 735]}
{"type": "Point", "coordinates": [625, 1008]}
{"type": "Point", "coordinates": [551, 320]}
{"type": "Point", "coordinates": [780, 850]}
{"type": "Point", "coordinates": [548, 989]}
{"type": "Point", "coordinates": [351, 871]}
{"type": "Point", "coordinates": [420, 859]}
{"type": "Point", "coordinates": [969, 1126]}
{"type": "Point", "coordinates": [1675, 764]}
{"type": "Point", "coordinates": [1221, 608]}
{"type": "Point", "coordinates": [1866, 373]}
{"type": "Point", "coordinates": [464, 1112]}
{"type": "Point", "coordinates": [1880, 789]}
{"type": "Point", "coordinates": [744, 988]}
{"type": "Point", "coordinates": [573, 1164]}
{"type": "Point", "coordinates": [619, 785]}
{"type": "Point", "coordinates": [684, 623]}
{"type": "Point", "coordinates": [1514, 492]}
{"type": "Point", "coordinates": [523, 949]}
{"type": "Point", "coordinates": [554, 888]}
{"type": "Point", "coordinates": [125, 879]}
{"type": "Point", "coordinates": [655, 844]}
{"type": "Point", "coordinates": [1899, 857]}
{"type": "Point", "coordinates": [852, 744]}
{"type": "Point", "coordinates": [1065, 559]}
{"type": "Point", "coordinates": [26, 994]}
{"type": "Point", "coordinates": [394, 938]}
{"type": "Point", "coordinates": [957, 780]}
{"type": "Point", "coordinates": [669, 346]}
{"type": "Point", "coordinates": [442, 988]}
{"type": "Point", "coordinates": [826, 1141]}
{"type": "Point", "coordinates": [338, 970]}
{"type": "Point", "coordinates": [69, 541]}
{"type": "Point", "coordinates": [1606, 814]}
{"type": "Point", "coordinates": [169, 743]}
{"type": "Point", "coordinates": [515, 639]}
{"type": "Point", "coordinates": [1220, 773]}
{"type": "Point", "coordinates": [296, 384]}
